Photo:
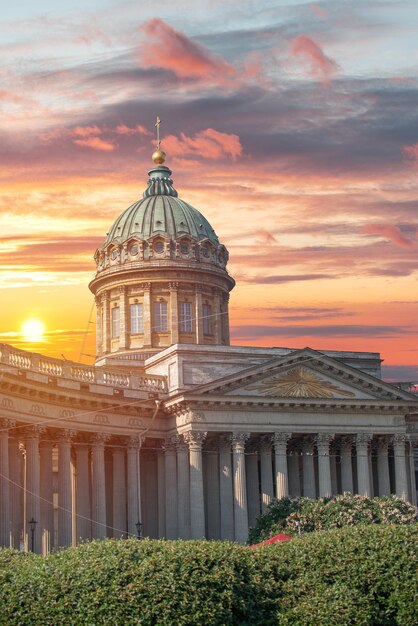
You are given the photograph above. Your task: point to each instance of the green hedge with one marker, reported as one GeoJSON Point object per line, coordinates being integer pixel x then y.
{"type": "Point", "coordinates": [350, 576]}
{"type": "Point", "coordinates": [294, 515]}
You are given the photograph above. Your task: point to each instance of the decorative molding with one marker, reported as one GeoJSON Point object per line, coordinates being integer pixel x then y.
{"type": "Point", "coordinates": [346, 444]}
{"type": "Point", "coordinates": [265, 443]}
{"type": "Point", "coordinates": [280, 440]}
{"type": "Point", "coordinates": [238, 440]}
{"type": "Point", "coordinates": [399, 440]}
{"type": "Point", "coordinates": [298, 382]}
{"type": "Point", "coordinates": [194, 438]}
{"type": "Point", "coordinates": [323, 442]}
{"type": "Point", "coordinates": [363, 440]}
{"type": "Point", "coordinates": [7, 403]}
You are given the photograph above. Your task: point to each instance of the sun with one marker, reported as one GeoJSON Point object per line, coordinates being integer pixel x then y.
{"type": "Point", "coordinates": [33, 331]}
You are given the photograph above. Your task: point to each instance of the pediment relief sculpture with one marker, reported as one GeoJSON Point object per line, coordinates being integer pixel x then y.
{"type": "Point", "coordinates": [299, 382]}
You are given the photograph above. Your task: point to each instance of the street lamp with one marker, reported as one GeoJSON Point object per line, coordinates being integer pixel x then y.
{"type": "Point", "coordinates": [32, 525]}
{"type": "Point", "coordinates": [138, 529]}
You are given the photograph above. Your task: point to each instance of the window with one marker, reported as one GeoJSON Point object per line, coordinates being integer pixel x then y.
{"type": "Point", "coordinates": [186, 325]}
{"type": "Point", "coordinates": [160, 317]}
{"type": "Point", "coordinates": [207, 316]}
{"type": "Point", "coordinates": [115, 321]}
{"type": "Point", "coordinates": [133, 250]}
{"type": "Point", "coordinates": [184, 248]}
{"type": "Point", "coordinates": [136, 319]}
{"type": "Point", "coordinates": [158, 247]}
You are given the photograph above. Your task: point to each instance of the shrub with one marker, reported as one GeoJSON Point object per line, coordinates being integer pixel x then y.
{"type": "Point", "coordinates": [306, 515]}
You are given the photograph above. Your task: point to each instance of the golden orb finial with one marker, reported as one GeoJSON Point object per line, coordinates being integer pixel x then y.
{"type": "Point", "coordinates": [158, 157]}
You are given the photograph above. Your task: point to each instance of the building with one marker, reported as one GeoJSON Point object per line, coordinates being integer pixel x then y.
{"type": "Point", "coordinates": [173, 432]}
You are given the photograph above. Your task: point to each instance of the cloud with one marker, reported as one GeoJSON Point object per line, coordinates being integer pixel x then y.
{"type": "Point", "coordinates": [264, 236]}
{"type": "Point", "coordinates": [411, 151]}
{"type": "Point", "coordinates": [170, 49]}
{"type": "Point", "coordinates": [95, 143]}
{"type": "Point", "coordinates": [393, 373]}
{"type": "Point", "coordinates": [284, 278]}
{"type": "Point", "coordinates": [321, 66]}
{"type": "Point", "coordinates": [326, 330]}
{"type": "Point", "coordinates": [209, 144]}
{"type": "Point", "coordinates": [122, 129]}
{"type": "Point", "coordinates": [391, 232]}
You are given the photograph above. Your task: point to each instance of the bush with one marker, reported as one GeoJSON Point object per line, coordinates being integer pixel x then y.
{"type": "Point", "coordinates": [351, 576]}
{"type": "Point", "coordinates": [304, 515]}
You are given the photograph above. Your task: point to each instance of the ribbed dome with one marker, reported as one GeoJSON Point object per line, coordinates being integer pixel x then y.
{"type": "Point", "coordinates": [160, 212]}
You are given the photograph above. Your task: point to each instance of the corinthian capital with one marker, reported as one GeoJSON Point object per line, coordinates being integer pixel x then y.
{"type": "Point", "coordinates": [280, 441]}
{"type": "Point", "coordinates": [238, 439]}
{"type": "Point", "coordinates": [195, 438]}
{"type": "Point", "coordinates": [363, 440]}
{"type": "Point", "coordinates": [323, 441]}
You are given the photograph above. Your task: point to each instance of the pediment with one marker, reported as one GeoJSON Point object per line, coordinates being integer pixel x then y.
{"type": "Point", "coordinates": [304, 374]}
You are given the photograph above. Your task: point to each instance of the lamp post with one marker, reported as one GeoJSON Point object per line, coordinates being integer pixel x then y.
{"type": "Point", "coordinates": [32, 525]}
{"type": "Point", "coordinates": [138, 529]}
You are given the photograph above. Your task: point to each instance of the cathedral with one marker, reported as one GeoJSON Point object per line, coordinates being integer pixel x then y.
{"type": "Point", "coordinates": [174, 433]}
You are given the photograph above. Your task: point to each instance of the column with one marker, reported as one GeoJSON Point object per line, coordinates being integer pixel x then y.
{"type": "Point", "coordinates": [64, 490]}
{"type": "Point", "coordinates": [16, 491]}
{"type": "Point", "coordinates": [83, 483]}
{"type": "Point", "coordinates": [170, 490]}
{"type": "Point", "coordinates": [98, 499]}
{"type": "Point", "coordinates": [333, 465]}
{"type": "Point", "coordinates": [119, 494]}
{"type": "Point", "coordinates": [174, 312]}
{"type": "Point", "coordinates": [33, 509]}
{"type": "Point", "coordinates": [212, 490]}
{"type": "Point", "coordinates": [309, 488]}
{"type": "Point", "coordinates": [323, 441]}
{"type": "Point", "coordinates": [199, 315]}
{"type": "Point", "coordinates": [226, 492]}
{"type": "Point", "coordinates": [240, 487]}
{"type": "Point", "coordinates": [161, 493]}
{"type": "Point", "coordinates": [266, 472]}
{"type": "Point", "coordinates": [106, 322]}
{"type": "Point", "coordinates": [217, 316]}
{"type": "Point", "coordinates": [147, 314]}
{"type": "Point", "coordinates": [401, 479]}
{"type": "Point", "coordinates": [383, 476]}
{"type": "Point", "coordinates": [280, 462]}
{"type": "Point", "coordinates": [363, 474]}
{"type": "Point", "coordinates": [346, 449]}
{"type": "Point", "coordinates": [47, 504]}
{"type": "Point", "coordinates": [253, 486]}
{"type": "Point", "coordinates": [295, 490]}
{"type": "Point", "coordinates": [412, 445]}
{"type": "Point", "coordinates": [197, 502]}
{"type": "Point", "coordinates": [99, 329]}
{"type": "Point", "coordinates": [225, 319]}
{"type": "Point", "coordinates": [183, 489]}
{"type": "Point", "coordinates": [133, 497]}
{"type": "Point", "coordinates": [124, 321]}
{"type": "Point", "coordinates": [4, 483]}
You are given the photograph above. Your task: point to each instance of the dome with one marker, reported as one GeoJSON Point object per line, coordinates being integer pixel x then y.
{"type": "Point", "coordinates": [160, 212]}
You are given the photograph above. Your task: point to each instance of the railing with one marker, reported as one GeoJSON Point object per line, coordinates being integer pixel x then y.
{"type": "Point", "coordinates": [409, 387]}
{"type": "Point", "coordinates": [31, 361]}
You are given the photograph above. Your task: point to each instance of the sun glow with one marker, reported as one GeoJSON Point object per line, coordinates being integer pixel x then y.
{"type": "Point", "coordinates": [33, 331]}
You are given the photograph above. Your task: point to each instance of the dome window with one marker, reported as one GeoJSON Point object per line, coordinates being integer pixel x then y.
{"type": "Point", "coordinates": [206, 251]}
{"type": "Point", "coordinates": [158, 247]}
{"type": "Point", "coordinates": [133, 250]}
{"type": "Point", "coordinates": [184, 248]}
{"type": "Point", "coordinates": [114, 255]}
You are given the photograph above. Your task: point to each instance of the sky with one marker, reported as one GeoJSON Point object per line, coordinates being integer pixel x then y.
{"type": "Point", "coordinates": [292, 126]}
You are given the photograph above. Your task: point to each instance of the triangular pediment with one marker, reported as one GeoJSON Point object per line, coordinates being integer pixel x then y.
{"type": "Point", "coordinates": [304, 374]}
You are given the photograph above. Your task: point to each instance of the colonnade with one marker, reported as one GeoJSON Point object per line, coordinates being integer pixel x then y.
{"type": "Point", "coordinates": [59, 487]}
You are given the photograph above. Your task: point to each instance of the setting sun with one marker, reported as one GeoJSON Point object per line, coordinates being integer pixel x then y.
{"type": "Point", "coordinates": [33, 331]}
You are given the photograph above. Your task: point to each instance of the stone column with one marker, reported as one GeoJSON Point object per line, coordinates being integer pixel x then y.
{"type": "Point", "coordinates": [225, 318]}
{"type": "Point", "coordinates": [383, 477]}
{"type": "Point", "coordinates": [124, 322]}
{"type": "Point", "coordinates": [119, 494]}
{"type": "Point", "coordinates": [98, 500]}
{"type": "Point", "coordinates": [174, 313]}
{"type": "Point", "coordinates": [253, 486]}
{"type": "Point", "coordinates": [413, 442]}
{"type": "Point", "coordinates": [346, 449]}
{"type": "Point", "coordinates": [99, 328]}
{"type": "Point", "coordinates": [323, 441]}
{"type": "Point", "coordinates": [161, 493]}
{"type": "Point", "coordinates": [240, 487]}
{"type": "Point", "coordinates": [199, 315]}
{"type": "Point", "coordinates": [16, 492]}
{"type": "Point", "coordinates": [83, 484]}
{"type": "Point", "coordinates": [401, 480]}
{"type": "Point", "coordinates": [295, 490]}
{"type": "Point", "coordinates": [333, 465]}
{"type": "Point", "coordinates": [309, 487]}
{"type": "Point", "coordinates": [280, 461]}
{"type": "Point", "coordinates": [106, 322]}
{"type": "Point", "coordinates": [197, 502]}
{"type": "Point", "coordinates": [212, 490]}
{"type": "Point", "coordinates": [4, 483]}
{"type": "Point", "coordinates": [170, 490]}
{"type": "Point", "coordinates": [217, 316]}
{"type": "Point", "coordinates": [64, 490]}
{"type": "Point", "coordinates": [183, 489]}
{"type": "Point", "coordinates": [226, 492]}
{"type": "Point", "coordinates": [47, 504]}
{"type": "Point", "coordinates": [266, 472]}
{"type": "Point", "coordinates": [363, 472]}
{"type": "Point", "coordinates": [133, 497]}
{"type": "Point", "coordinates": [147, 315]}
{"type": "Point", "coordinates": [33, 509]}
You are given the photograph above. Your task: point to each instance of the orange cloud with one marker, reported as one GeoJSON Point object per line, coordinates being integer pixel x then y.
{"type": "Point", "coordinates": [209, 143]}
{"type": "Point", "coordinates": [95, 143]}
{"type": "Point", "coordinates": [321, 66]}
{"type": "Point", "coordinates": [122, 129]}
{"type": "Point", "coordinates": [391, 232]}
{"type": "Point", "coordinates": [169, 49]}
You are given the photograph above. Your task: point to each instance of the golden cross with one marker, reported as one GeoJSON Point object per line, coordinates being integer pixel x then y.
{"type": "Point", "coordinates": [157, 125]}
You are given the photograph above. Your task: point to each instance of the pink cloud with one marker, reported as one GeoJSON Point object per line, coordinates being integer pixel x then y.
{"type": "Point", "coordinates": [122, 129]}
{"type": "Point", "coordinates": [317, 10]}
{"type": "Point", "coordinates": [264, 236]}
{"type": "Point", "coordinates": [391, 232]}
{"type": "Point", "coordinates": [87, 131]}
{"type": "Point", "coordinates": [8, 96]}
{"type": "Point", "coordinates": [209, 144]}
{"type": "Point", "coordinates": [95, 143]}
{"type": "Point", "coordinates": [411, 151]}
{"type": "Point", "coordinates": [170, 49]}
{"type": "Point", "coordinates": [321, 66]}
